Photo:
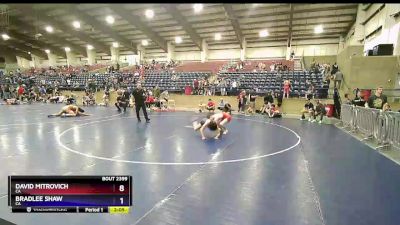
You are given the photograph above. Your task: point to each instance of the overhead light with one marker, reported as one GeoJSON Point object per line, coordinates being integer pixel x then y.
{"type": "Point", "coordinates": [263, 33]}
{"type": "Point", "coordinates": [145, 42]}
{"type": "Point", "coordinates": [5, 37]}
{"type": "Point", "coordinates": [49, 29]}
{"type": "Point", "coordinates": [115, 44]}
{"type": "Point", "coordinates": [29, 53]}
{"type": "Point", "coordinates": [318, 29]}
{"type": "Point", "coordinates": [89, 47]}
{"type": "Point", "coordinates": [197, 7]}
{"type": "Point", "coordinates": [76, 24]}
{"type": "Point", "coordinates": [67, 49]}
{"type": "Point", "coordinates": [149, 13]}
{"type": "Point", "coordinates": [217, 36]}
{"type": "Point", "coordinates": [178, 40]}
{"type": "Point", "coordinates": [110, 19]}
{"type": "Point", "coordinates": [47, 51]}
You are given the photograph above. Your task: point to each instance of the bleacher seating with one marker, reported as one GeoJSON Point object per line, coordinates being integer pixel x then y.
{"type": "Point", "coordinates": [176, 81]}
{"type": "Point", "coordinates": [165, 82]}
{"type": "Point", "coordinates": [270, 81]}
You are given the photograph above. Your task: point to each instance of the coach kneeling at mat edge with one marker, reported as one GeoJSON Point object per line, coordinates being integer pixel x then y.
{"type": "Point", "coordinates": [139, 95]}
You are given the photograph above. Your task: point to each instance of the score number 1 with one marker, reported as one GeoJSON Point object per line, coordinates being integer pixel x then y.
{"type": "Point", "coordinates": [121, 189]}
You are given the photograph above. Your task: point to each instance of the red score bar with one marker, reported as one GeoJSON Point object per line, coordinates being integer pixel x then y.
{"type": "Point", "coordinates": [83, 189]}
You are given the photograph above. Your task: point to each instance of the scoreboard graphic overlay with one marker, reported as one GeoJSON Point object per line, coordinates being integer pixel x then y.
{"type": "Point", "coordinates": [70, 194]}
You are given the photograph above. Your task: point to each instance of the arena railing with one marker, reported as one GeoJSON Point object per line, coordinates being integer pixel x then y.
{"type": "Point", "coordinates": [384, 127]}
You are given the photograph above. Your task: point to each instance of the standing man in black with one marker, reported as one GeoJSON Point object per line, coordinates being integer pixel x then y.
{"type": "Point", "coordinates": [139, 95]}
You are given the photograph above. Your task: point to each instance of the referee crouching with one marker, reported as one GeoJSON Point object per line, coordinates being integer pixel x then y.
{"type": "Point", "coordinates": [139, 96]}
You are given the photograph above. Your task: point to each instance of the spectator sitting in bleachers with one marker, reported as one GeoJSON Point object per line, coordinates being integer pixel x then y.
{"type": "Point", "coordinates": [308, 109]}
{"type": "Point", "coordinates": [310, 91]}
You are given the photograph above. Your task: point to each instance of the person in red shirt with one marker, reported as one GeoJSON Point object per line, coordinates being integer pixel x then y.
{"type": "Point", "coordinates": [21, 91]}
{"type": "Point", "coordinates": [149, 101]}
{"type": "Point", "coordinates": [210, 105]}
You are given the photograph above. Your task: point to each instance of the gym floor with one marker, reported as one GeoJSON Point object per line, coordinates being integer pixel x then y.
{"type": "Point", "coordinates": [264, 171]}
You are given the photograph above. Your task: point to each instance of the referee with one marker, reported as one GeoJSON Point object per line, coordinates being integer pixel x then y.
{"type": "Point", "coordinates": [139, 96]}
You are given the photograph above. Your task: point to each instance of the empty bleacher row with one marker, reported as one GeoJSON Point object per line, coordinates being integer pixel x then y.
{"type": "Point", "coordinates": [272, 81]}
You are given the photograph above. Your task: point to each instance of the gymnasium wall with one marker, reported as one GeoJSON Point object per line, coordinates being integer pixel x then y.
{"type": "Point", "coordinates": [370, 72]}
{"type": "Point", "coordinates": [224, 54]}
{"type": "Point", "coordinates": [188, 56]}
{"type": "Point", "coordinates": [382, 28]}
{"type": "Point", "coordinates": [266, 52]}
{"type": "Point", "coordinates": [316, 47]}
{"type": "Point", "coordinates": [366, 71]}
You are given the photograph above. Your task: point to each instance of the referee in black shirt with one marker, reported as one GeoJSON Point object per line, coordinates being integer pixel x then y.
{"type": "Point", "coordinates": [139, 96]}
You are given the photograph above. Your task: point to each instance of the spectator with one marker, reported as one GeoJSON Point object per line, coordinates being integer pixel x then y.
{"type": "Point", "coordinates": [279, 97]}
{"type": "Point", "coordinates": [335, 68]}
{"type": "Point", "coordinates": [347, 99]}
{"type": "Point", "coordinates": [210, 105]}
{"type": "Point", "coordinates": [359, 99]}
{"type": "Point", "coordinates": [21, 90]}
{"type": "Point", "coordinates": [377, 100]}
{"type": "Point", "coordinates": [386, 107]}
{"type": "Point", "coordinates": [309, 109]}
{"type": "Point", "coordinates": [6, 92]}
{"type": "Point", "coordinates": [156, 92]}
{"type": "Point", "coordinates": [338, 79]}
{"type": "Point", "coordinates": [196, 86]}
{"type": "Point", "coordinates": [252, 100]}
{"type": "Point", "coordinates": [319, 111]}
{"type": "Point", "coordinates": [337, 103]}
{"type": "Point", "coordinates": [234, 86]}
{"type": "Point", "coordinates": [164, 95]}
{"type": "Point", "coordinates": [268, 98]}
{"type": "Point", "coordinates": [242, 101]}
{"type": "Point", "coordinates": [286, 88]}
{"type": "Point", "coordinates": [221, 104]}
{"type": "Point", "coordinates": [149, 101]}
{"type": "Point", "coordinates": [310, 91]}
{"type": "Point", "coordinates": [202, 106]}
{"type": "Point", "coordinates": [274, 112]}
